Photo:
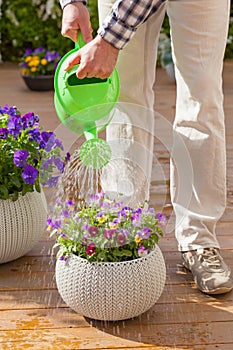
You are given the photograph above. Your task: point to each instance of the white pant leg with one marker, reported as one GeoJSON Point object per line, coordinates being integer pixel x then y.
{"type": "Point", "coordinates": [131, 130]}
{"type": "Point", "coordinates": [199, 31]}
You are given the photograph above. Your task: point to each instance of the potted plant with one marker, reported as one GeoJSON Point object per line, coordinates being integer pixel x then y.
{"type": "Point", "coordinates": [109, 265]}
{"type": "Point", "coordinates": [28, 157]}
{"type": "Point", "coordinates": [165, 55]}
{"type": "Point", "coordinates": [38, 68]}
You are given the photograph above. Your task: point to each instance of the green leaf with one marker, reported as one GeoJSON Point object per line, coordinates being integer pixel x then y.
{"type": "Point", "coordinates": [37, 185]}
{"type": "Point", "coordinates": [26, 189]}
{"type": "Point", "coordinates": [15, 196]}
{"type": "Point", "coordinates": [15, 181]}
{"type": "Point", "coordinates": [4, 194]}
{"type": "Point", "coordinates": [122, 252]}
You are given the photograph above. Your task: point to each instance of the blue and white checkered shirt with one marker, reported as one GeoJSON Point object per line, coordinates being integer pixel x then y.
{"type": "Point", "coordinates": [124, 19]}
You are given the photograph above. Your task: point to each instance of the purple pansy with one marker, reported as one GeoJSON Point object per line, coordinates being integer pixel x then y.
{"type": "Point", "coordinates": [51, 181]}
{"type": "Point", "coordinates": [59, 164]}
{"type": "Point", "coordinates": [142, 251]}
{"type": "Point", "coordinates": [93, 230]}
{"type": "Point", "coordinates": [48, 162]}
{"type": "Point", "coordinates": [121, 238]}
{"type": "Point", "coordinates": [59, 144]}
{"type": "Point", "coordinates": [162, 218]}
{"type": "Point", "coordinates": [3, 133]}
{"type": "Point", "coordinates": [29, 174]}
{"type": "Point", "coordinates": [144, 233]}
{"type": "Point", "coordinates": [136, 220]}
{"type": "Point", "coordinates": [15, 125]}
{"type": "Point", "coordinates": [11, 111]}
{"type": "Point", "coordinates": [38, 50]}
{"type": "Point", "coordinates": [28, 120]}
{"type": "Point", "coordinates": [109, 234]}
{"type": "Point", "coordinates": [34, 135]}
{"type": "Point", "coordinates": [137, 211]}
{"type": "Point", "coordinates": [20, 157]}
{"type": "Point", "coordinates": [125, 232]}
{"type": "Point", "coordinates": [69, 202]}
{"type": "Point", "coordinates": [28, 52]}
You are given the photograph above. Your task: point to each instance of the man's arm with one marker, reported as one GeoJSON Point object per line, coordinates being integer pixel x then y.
{"type": "Point", "coordinates": [126, 16]}
{"type": "Point", "coordinates": [98, 58]}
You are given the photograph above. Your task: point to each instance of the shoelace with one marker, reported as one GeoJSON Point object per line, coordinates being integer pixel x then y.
{"type": "Point", "coordinates": [210, 256]}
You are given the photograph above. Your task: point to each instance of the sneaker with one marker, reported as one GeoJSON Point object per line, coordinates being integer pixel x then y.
{"type": "Point", "coordinates": [210, 272]}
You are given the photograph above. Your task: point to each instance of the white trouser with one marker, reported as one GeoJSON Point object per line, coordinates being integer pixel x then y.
{"type": "Point", "coordinates": [199, 31]}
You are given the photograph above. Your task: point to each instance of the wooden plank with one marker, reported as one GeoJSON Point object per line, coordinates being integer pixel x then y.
{"type": "Point", "coordinates": [30, 299]}
{"type": "Point", "coordinates": [112, 335]}
{"type": "Point", "coordinates": [196, 312]}
{"type": "Point", "coordinates": [42, 276]}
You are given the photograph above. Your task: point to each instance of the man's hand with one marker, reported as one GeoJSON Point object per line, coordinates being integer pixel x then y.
{"type": "Point", "coordinates": [97, 59]}
{"type": "Point", "coordinates": [76, 17]}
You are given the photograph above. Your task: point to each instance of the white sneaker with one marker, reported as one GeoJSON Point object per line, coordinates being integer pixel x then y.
{"type": "Point", "coordinates": [209, 270]}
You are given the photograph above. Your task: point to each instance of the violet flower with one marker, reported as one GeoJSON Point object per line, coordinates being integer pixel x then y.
{"type": "Point", "coordinates": [3, 133]}
{"type": "Point", "coordinates": [142, 251]}
{"type": "Point", "coordinates": [20, 157]}
{"type": "Point", "coordinates": [29, 174]}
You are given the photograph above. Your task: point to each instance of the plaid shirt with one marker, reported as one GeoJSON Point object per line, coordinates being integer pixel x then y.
{"type": "Point", "coordinates": [124, 19]}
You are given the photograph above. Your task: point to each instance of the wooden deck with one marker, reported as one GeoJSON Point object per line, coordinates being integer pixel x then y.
{"type": "Point", "coordinates": [32, 314]}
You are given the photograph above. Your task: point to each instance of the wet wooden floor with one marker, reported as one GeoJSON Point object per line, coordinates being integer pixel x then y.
{"type": "Point", "coordinates": [32, 314]}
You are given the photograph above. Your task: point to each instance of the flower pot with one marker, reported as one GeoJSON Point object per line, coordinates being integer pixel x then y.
{"type": "Point", "coordinates": [39, 83]}
{"type": "Point", "coordinates": [22, 224]}
{"type": "Point", "coordinates": [111, 291]}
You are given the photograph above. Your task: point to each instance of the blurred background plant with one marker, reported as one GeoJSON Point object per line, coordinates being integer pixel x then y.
{"type": "Point", "coordinates": [33, 23]}
{"type": "Point", "coordinates": [39, 62]}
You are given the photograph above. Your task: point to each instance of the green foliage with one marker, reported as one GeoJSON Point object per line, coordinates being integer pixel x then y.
{"type": "Point", "coordinates": [229, 48]}
{"type": "Point", "coordinates": [30, 24]}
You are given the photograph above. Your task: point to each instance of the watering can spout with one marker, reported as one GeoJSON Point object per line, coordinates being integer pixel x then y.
{"type": "Point", "coordinates": [90, 131]}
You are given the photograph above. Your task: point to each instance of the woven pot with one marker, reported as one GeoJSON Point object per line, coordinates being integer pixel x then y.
{"type": "Point", "coordinates": [22, 224]}
{"type": "Point", "coordinates": [111, 291]}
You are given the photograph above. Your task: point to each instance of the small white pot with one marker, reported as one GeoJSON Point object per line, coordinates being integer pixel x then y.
{"type": "Point", "coordinates": [22, 224]}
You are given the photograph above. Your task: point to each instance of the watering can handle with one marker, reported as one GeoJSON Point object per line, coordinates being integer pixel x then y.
{"type": "Point", "coordinates": [80, 43]}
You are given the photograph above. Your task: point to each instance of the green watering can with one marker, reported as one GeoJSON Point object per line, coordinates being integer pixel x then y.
{"type": "Point", "coordinates": [79, 103]}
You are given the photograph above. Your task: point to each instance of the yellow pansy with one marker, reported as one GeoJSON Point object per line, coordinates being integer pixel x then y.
{"type": "Point", "coordinates": [33, 69]}
{"type": "Point", "coordinates": [43, 62]}
{"type": "Point", "coordinates": [28, 59]}
{"type": "Point", "coordinates": [33, 63]}
{"type": "Point", "coordinates": [138, 240]}
{"type": "Point", "coordinates": [25, 71]}
{"type": "Point", "coordinates": [101, 219]}
{"type": "Point", "coordinates": [113, 226]}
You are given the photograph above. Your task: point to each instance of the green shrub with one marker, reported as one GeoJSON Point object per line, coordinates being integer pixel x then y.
{"type": "Point", "coordinates": [33, 23]}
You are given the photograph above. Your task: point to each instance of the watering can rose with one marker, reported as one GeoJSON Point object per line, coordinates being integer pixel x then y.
{"type": "Point", "coordinates": [105, 230]}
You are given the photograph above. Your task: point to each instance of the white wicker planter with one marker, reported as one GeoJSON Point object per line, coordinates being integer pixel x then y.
{"type": "Point", "coordinates": [111, 291]}
{"type": "Point", "coordinates": [22, 224]}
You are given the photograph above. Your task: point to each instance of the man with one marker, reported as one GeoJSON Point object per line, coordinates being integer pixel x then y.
{"type": "Point", "coordinates": [198, 31]}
